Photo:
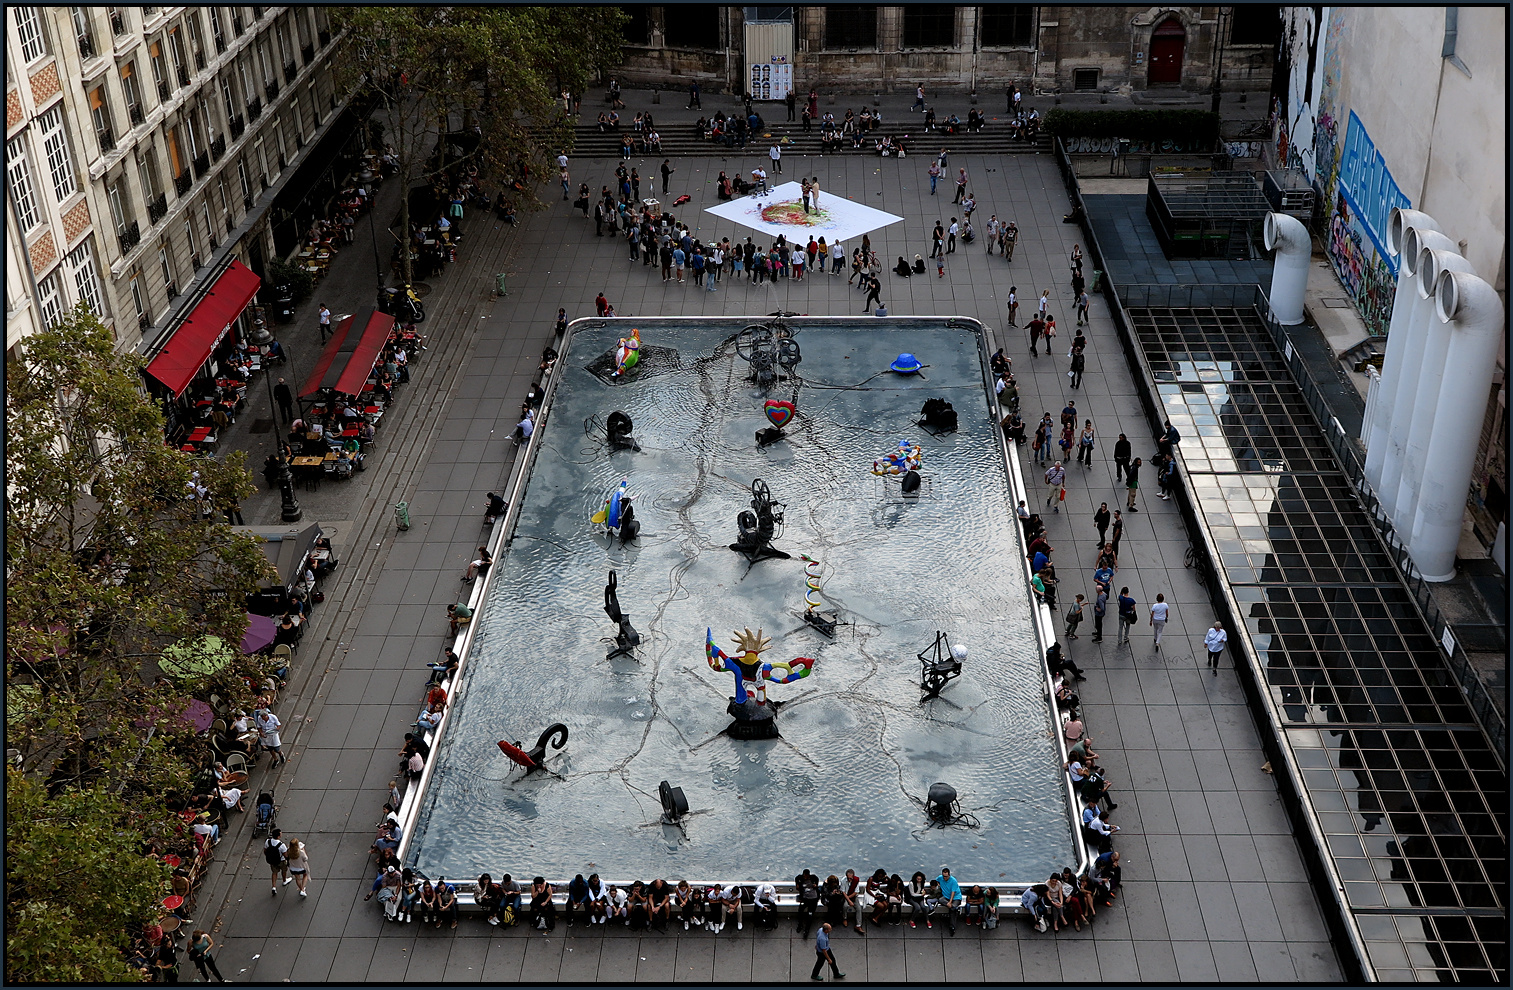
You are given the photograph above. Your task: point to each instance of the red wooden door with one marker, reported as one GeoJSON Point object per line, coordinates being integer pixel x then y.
{"type": "Point", "coordinates": [1167, 45]}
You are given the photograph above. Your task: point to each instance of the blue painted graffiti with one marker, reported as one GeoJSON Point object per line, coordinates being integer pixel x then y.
{"type": "Point", "coordinates": [1369, 187]}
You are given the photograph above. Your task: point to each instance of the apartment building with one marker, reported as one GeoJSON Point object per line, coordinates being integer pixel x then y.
{"type": "Point", "coordinates": [151, 151]}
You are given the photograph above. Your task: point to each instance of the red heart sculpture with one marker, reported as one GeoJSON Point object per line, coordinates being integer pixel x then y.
{"type": "Point", "coordinates": [779, 411]}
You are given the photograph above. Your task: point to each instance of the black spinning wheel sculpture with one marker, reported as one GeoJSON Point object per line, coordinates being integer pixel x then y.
{"type": "Point", "coordinates": [759, 525]}
{"type": "Point", "coordinates": [770, 350]}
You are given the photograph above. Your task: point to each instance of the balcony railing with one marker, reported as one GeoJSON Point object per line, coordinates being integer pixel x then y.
{"type": "Point", "coordinates": [308, 53]}
{"type": "Point", "coordinates": [163, 91]}
{"type": "Point", "coordinates": [134, 111]}
{"type": "Point", "coordinates": [182, 182]}
{"type": "Point", "coordinates": [202, 165]}
{"type": "Point", "coordinates": [157, 207]}
{"type": "Point", "coordinates": [291, 70]}
{"type": "Point", "coordinates": [238, 125]}
{"type": "Point", "coordinates": [220, 44]}
{"type": "Point", "coordinates": [236, 25]}
{"type": "Point", "coordinates": [129, 236]}
{"type": "Point", "coordinates": [86, 46]}
{"type": "Point", "coordinates": [199, 61]}
{"type": "Point", "coordinates": [107, 139]}
{"type": "Point", "coordinates": [172, 288]}
{"type": "Point", "coordinates": [254, 109]}
{"type": "Point", "coordinates": [257, 13]}
{"type": "Point", "coordinates": [247, 202]}
{"type": "Point", "coordinates": [183, 74]}
{"type": "Point", "coordinates": [271, 90]}
{"type": "Point", "coordinates": [144, 321]}
{"type": "Point", "coordinates": [325, 38]}
{"type": "Point", "coordinates": [117, 23]}
{"type": "Point", "coordinates": [218, 148]}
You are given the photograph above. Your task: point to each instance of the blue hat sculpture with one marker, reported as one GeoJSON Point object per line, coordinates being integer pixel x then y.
{"type": "Point", "coordinates": [906, 364]}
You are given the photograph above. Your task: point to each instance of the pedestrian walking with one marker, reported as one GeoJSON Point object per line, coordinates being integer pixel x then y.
{"type": "Point", "coordinates": [1044, 306]}
{"type": "Point", "coordinates": [1079, 363]}
{"type": "Point", "coordinates": [1121, 457]}
{"type": "Point", "coordinates": [667, 171]}
{"type": "Point", "coordinates": [298, 859]}
{"type": "Point", "coordinates": [1159, 612]}
{"type": "Point", "coordinates": [961, 185]}
{"type": "Point", "coordinates": [937, 239]}
{"type": "Point", "coordinates": [1082, 301]}
{"type": "Point", "coordinates": [1037, 326]}
{"type": "Point", "coordinates": [274, 853]}
{"type": "Point", "coordinates": [1074, 617]}
{"type": "Point", "coordinates": [935, 171]}
{"type": "Point", "coordinates": [1126, 614]}
{"type": "Point", "coordinates": [776, 154]}
{"type": "Point", "coordinates": [1013, 305]}
{"type": "Point", "coordinates": [874, 293]}
{"type": "Point", "coordinates": [951, 236]}
{"type": "Point", "coordinates": [325, 322]}
{"type": "Point", "coordinates": [1100, 609]}
{"type": "Point", "coordinates": [567, 181]}
{"type": "Point", "coordinates": [200, 944]}
{"type": "Point", "coordinates": [919, 98]}
{"type": "Point", "coordinates": [1117, 534]}
{"type": "Point", "coordinates": [793, 102]}
{"type": "Point", "coordinates": [693, 96]}
{"type": "Point", "coordinates": [1010, 238]}
{"type": "Point", "coordinates": [285, 400]}
{"type": "Point", "coordinates": [1215, 640]}
{"type": "Point", "coordinates": [1085, 445]}
{"type": "Point", "coordinates": [1055, 482]}
{"type": "Point", "coordinates": [823, 955]}
{"type": "Point", "coordinates": [1100, 522]}
{"type": "Point", "coordinates": [268, 737]}
{"type": "Point", "coordinates": [1132, 483]}
{"type": "Point", "coordinates": [837, 257]}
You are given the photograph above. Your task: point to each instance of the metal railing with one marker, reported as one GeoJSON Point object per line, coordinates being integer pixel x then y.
{"type": "Point", "coordinates": [182, 182]}
{"type": "Point", "coordinates": [134, 111]}
{"type": "Point", "coordinates": [129, 236]}
{"type": "Point", "coordinates": [218, 148]}
{"type": "Point", "coordinates": [107, 138]}
{"type": "Point", "coordinates": [254, 109]}
{"type": "Point", "coordinates": [238, 125]}
{"type": "Point", "coordinates": [202, 164]}
{"type": "Point", "coordinates": [157, 207]}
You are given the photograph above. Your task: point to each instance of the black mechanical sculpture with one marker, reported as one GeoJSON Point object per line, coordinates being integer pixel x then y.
{"type": "Point", "coordinates": [674, 804]}
{"type": "Point", "coordinates": [770, 350]}
{"type": "Point", "coordinates": [938, 416]}
{"type": "Point", "coordinates": [626, 639]}
{"type": "Point", "coordinates": [940, 803]}
{"type": "Point", "coordinates": [554, 734]}
{"type": "Point", "coordinates": [760, 525]}
{"type": "Point", "coordinates": [618, 429]}
{"type": "Point", "coordinates": [939, 665]}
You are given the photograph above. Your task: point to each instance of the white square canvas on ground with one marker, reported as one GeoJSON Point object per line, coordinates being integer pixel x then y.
{"type": "Point", "coordinates": [781, 211]}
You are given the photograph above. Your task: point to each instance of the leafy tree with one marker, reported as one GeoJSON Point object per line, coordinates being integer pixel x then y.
{"type": "Point", "coordinates": [490, 73]}
{"type": "Point", "coordinates": [75, 877]}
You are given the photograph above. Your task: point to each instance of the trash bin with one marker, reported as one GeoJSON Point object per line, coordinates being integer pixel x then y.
{"type": "Point", "coordinates": [402, 515]}
{"type": "Point", "coordinates": [283, 310]}
{"type": "Point", "coordinates": [1097, 281]}
{"type": "Point", "coordinates": [499, 284]}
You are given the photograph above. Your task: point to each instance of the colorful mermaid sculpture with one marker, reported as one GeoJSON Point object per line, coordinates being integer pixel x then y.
{"type": "Point", "coordinates": [615, 505]}
{"type": "Point", "coordinates": [748, 667]}
{"type": "Point", "coordinates": [907, 458]}
{"type": "Point", "coordinates": [628, 353]}
{"type": "Point", "coordinates": [812, 580]}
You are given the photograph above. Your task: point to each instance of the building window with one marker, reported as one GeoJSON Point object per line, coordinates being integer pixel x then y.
{"type": "Point", "coordinates": [133, 93]}
{"type": "Point", "coordinates": [637, 30]}
{"type": "Point", "coordinates": [196, 39]}
{"type": "Point", "coordinates": [169, 285]}
{"type": "Point", "coordinates": [120, 208]}
{"type": "Point", "coordinates": [159, 70]}
{"type": "Point", "coordinates": [217, 29]}
{"type": "Point", "coordinates": [82, 32]}
{"type": "Point", "coordinates": [929, 25]}
{"type": "Point", "coordinates": [1085, 80]}
{"type": "Point", "coordinates": [20, 173]}
{"type": "Point", "coordinates": [1008, 25]}
{"type": "Point", "coordinates": [851, 27]}
{"type": "Point", "coordinates": [60, 164]}
{"type": "Point", "coordinates": [99, 112]}
{"type": "Point", "coordinates": [117, 20]}
{"type": "Point", "coordinates": [1255, 24]}
{"type": "Point", "coordinates": [193, 242]}
{"type": "Point", "coordinates": [695, 26]}
{"type": "Point", "coordinates": [50, 295]}
{"type": "Point", "coordinates": [81, 263]}
{"type": "Point", "coordinates": [209, 226]}
{"type": "Point", "coordinates": [138, 296]}
{"type": "Point", "coordinates": [29, 33]}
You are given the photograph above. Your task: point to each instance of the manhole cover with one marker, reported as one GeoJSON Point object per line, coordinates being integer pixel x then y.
{"type": "Point", "coordinates": [261, 426]}
{"type": "Point", "coordinates": [1335, 302]}
{"type": "Point", "coordinates": [422, 289]}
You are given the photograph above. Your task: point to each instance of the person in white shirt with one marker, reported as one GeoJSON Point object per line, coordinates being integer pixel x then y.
{"type": "Point", "coordinates": [776, 154]}
{"type": "Point", "coordinates": [838, 257]}
{"type": "Point", "coordinates": [267, 728]}
{"type": "Point", "coordinates": [730, 901]}
{"type": "Point", "coordinates": [767, 904]}
{"type": "Point", "coordinates": [1215, 640]}
{"type": "Point", "coordinates": [1159, 612]}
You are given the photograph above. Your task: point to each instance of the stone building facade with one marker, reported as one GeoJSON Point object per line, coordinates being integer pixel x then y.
{"type": "Point", "coordinates": [959, 49]}
{"type": "Point", "coordinates": [176, 127]}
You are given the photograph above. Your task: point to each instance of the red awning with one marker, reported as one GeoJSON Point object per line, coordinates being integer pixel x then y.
{"type": "Point", "coordinates": [349, 355]}
{"type": "Point", "coordinates": [192, 343]}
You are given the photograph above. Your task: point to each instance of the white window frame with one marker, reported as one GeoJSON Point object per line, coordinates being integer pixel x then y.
{"type": "Point", "coordinates": [29, 33]}
{"type": "Point", "coordinates": [81, 264]}
{"type": "Point", "coordinates": [60, 162]}
{"type": "Point", "coordinates": [194, 248]}
{"type": "Point", "coordinates": [166, 263]}
{"type": "Point", "coordinates": [138, 298]}
{"type": "Point", "coordinates": [18, 172]}
{"type": "Point", "coordinates": [50, 299]}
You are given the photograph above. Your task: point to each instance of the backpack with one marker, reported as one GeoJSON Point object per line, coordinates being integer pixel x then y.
{"type": "Point", "coordinates": [272, 853]}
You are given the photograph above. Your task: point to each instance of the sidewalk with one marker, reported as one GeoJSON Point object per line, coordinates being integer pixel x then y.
{"type": "Point", "coordinates": [1214, 887]}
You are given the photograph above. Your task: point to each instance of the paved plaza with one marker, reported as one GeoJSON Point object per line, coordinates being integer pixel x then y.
{"type": "Point", "coordinates": [1214, 886]}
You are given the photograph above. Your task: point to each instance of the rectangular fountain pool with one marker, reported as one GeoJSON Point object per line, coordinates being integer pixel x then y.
{"type": "Point", "coordinates": [845, 783]}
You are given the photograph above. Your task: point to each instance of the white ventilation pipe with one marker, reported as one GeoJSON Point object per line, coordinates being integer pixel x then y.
{"type": "Point", "coordinates": [1384, 391]}
{"type": "Point", "coordinates": [1476, 326]}
{"type": "Point", "coordinates": [1415, 337]}
{"type": "Point", "coordinates": [1424, 428]}
{"type": "Point", "coordinates": [1289, 270]}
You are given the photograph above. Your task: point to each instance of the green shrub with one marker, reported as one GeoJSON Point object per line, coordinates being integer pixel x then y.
{"type": "Point", "coordinates": [1184, 126]}
{"type": "Point", "coordinates": [283, 273]}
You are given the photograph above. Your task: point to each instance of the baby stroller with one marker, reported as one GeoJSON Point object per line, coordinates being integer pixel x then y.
{"type": "Point", "coordinates": [267, 814]}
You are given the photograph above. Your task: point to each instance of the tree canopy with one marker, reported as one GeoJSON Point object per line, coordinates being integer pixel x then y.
{"type": "Point", "coordinates": [493, 73]}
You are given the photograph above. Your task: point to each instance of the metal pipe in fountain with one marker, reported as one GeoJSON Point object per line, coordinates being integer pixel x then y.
{"type": "Point", "coordinates": [1474, 323]}
{"type": "Point", "coordinates": [1389, 388]}
{"type": "Point", "coordinates": [1289, 272]}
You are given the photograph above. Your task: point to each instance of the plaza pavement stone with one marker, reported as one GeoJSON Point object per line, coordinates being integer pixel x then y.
{"type": "Point", "coordinates": [1214, 886]}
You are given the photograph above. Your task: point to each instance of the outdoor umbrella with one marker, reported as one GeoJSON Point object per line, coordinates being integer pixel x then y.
{"type": "Point", "coordinates": [200, 655]}
{"type": "Point", "coordinates": [260, 632]}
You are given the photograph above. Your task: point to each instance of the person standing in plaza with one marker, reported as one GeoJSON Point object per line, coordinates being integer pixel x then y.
{"type": "Point", "coordinates": [1055, 479]}
{"type": "Point", "coordinates": [285, 400]}
{"type": "Point", "coordinates": [1074, 617]}
{"type": "Point", "coordinates": [792, 101]}
{"type": "Point", "coordinates": [325, 322]}
{"type": "Point", "coordinates": [776, 154]}
{"type": "Point", "coordinates": [667, 171]}
{"type": "Point", "coordinates": [935, 171]}
{"type": "Point", "coordinates": [937, 239]}
{"type": "Point", "coordinates": [1132, 483]}
{"type": "Point", "coordinates": [961, 185]}
{"type": "Point", "coordinates": [1100, 609]}
{"type": "Point", "coordinates": [1159, 613]}
{"type": "Point", "coordinates": [1013, 305]}
{"type": "Point", "coordinates": [1126, 614]}
{"type": "Point", "coordinates": [823, 955]}
{"type": "Point", "coordinates": [1118, 533]}
{"type": "Point", "coordinates": [268, 737]}
{"type": "Point", "coordinates": [1121, 457]}
{"type": "Point", "coordinates": [1215, 639]}
{"type": "Point", "coordinates": [200, 944]}
{"type": "Point", "coordinates": [1079, 364]}
{"type": "Point", "coordinates": [1100, 522]}
{"type": "Point", "coordinates": [951, 237]}
{"type": "Point", "coordinates": [1082, 304]}
{"type": "Point", "coordinates": [1085, 444]}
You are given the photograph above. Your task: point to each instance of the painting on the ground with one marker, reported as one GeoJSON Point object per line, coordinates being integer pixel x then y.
{"type": "Point", "coordinates": [781, 211]}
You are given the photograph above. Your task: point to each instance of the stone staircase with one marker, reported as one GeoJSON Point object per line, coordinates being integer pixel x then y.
{"type": "Point", "coordinates": [679, 140]}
